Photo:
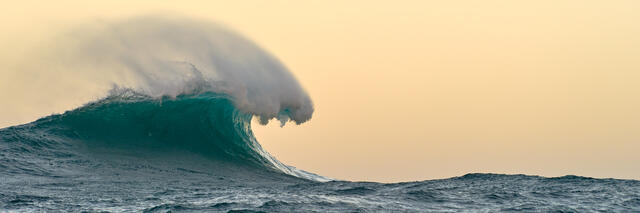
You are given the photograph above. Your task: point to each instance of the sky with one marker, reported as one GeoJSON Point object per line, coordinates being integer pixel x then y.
{"type": "Point", "coordinates": [405, 90]}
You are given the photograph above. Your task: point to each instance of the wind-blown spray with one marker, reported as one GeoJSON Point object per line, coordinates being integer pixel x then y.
{"type": "Point", "coordinates": [161, 56]}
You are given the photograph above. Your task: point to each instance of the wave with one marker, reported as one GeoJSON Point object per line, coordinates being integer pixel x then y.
{"type": "Point", "coordinates": [206, 123]}
{"type": "Point", "coordinates": [175, 84]}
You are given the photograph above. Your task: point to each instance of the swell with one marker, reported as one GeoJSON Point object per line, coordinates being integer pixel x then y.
{"type": "Point", "coordinates": [205, 124]}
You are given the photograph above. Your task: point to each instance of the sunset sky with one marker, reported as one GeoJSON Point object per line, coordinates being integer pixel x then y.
{"type": "Point", "coordinates": [403, 90]}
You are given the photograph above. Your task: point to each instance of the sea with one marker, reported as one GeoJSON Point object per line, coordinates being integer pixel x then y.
{"type": "Point", "coordinates": [131, 152]}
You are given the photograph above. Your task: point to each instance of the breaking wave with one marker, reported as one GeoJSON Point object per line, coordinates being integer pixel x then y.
{"type": "Point", "coordinates": [170, 83]}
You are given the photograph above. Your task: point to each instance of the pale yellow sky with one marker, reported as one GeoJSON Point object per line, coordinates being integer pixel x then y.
{"type": "Point", "coordinates": [410, 90]}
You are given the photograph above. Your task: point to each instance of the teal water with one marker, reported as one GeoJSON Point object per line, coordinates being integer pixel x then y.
{"type": "Point", "coordinates": [196, 153]}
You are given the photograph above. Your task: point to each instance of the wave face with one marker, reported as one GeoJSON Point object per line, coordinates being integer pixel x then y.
{"type": "Point", "coordinates": [206, 124]}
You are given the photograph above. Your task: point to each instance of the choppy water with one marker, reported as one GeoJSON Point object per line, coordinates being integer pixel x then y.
{"type": "Point", "coordinates": [196, 153]}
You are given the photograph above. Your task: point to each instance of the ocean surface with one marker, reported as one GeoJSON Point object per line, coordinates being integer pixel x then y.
{"type": "Point", "coordinates": [130, 152]}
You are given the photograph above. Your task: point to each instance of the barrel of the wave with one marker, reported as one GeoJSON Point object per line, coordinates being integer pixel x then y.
{"type": "Point", "coordinates": [207, 124]}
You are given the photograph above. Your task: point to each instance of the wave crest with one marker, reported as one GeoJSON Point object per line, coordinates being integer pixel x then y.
{"type": "Point", "coordinates": [160, 56]}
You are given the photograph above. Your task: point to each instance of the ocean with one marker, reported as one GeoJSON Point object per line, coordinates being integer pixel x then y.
{"type": "Point", "coordinates": [130, 152]}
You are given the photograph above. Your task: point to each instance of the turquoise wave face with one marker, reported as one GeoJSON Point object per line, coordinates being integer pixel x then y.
{"type": "Point", "coordinates": [207, 124]}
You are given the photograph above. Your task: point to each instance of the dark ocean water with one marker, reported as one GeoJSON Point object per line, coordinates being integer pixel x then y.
{"type": "Point", "coordinates": [196, 153]}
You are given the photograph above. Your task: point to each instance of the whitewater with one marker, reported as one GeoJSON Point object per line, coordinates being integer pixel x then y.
{"type": "Point", "coordinates": [171, 132]}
